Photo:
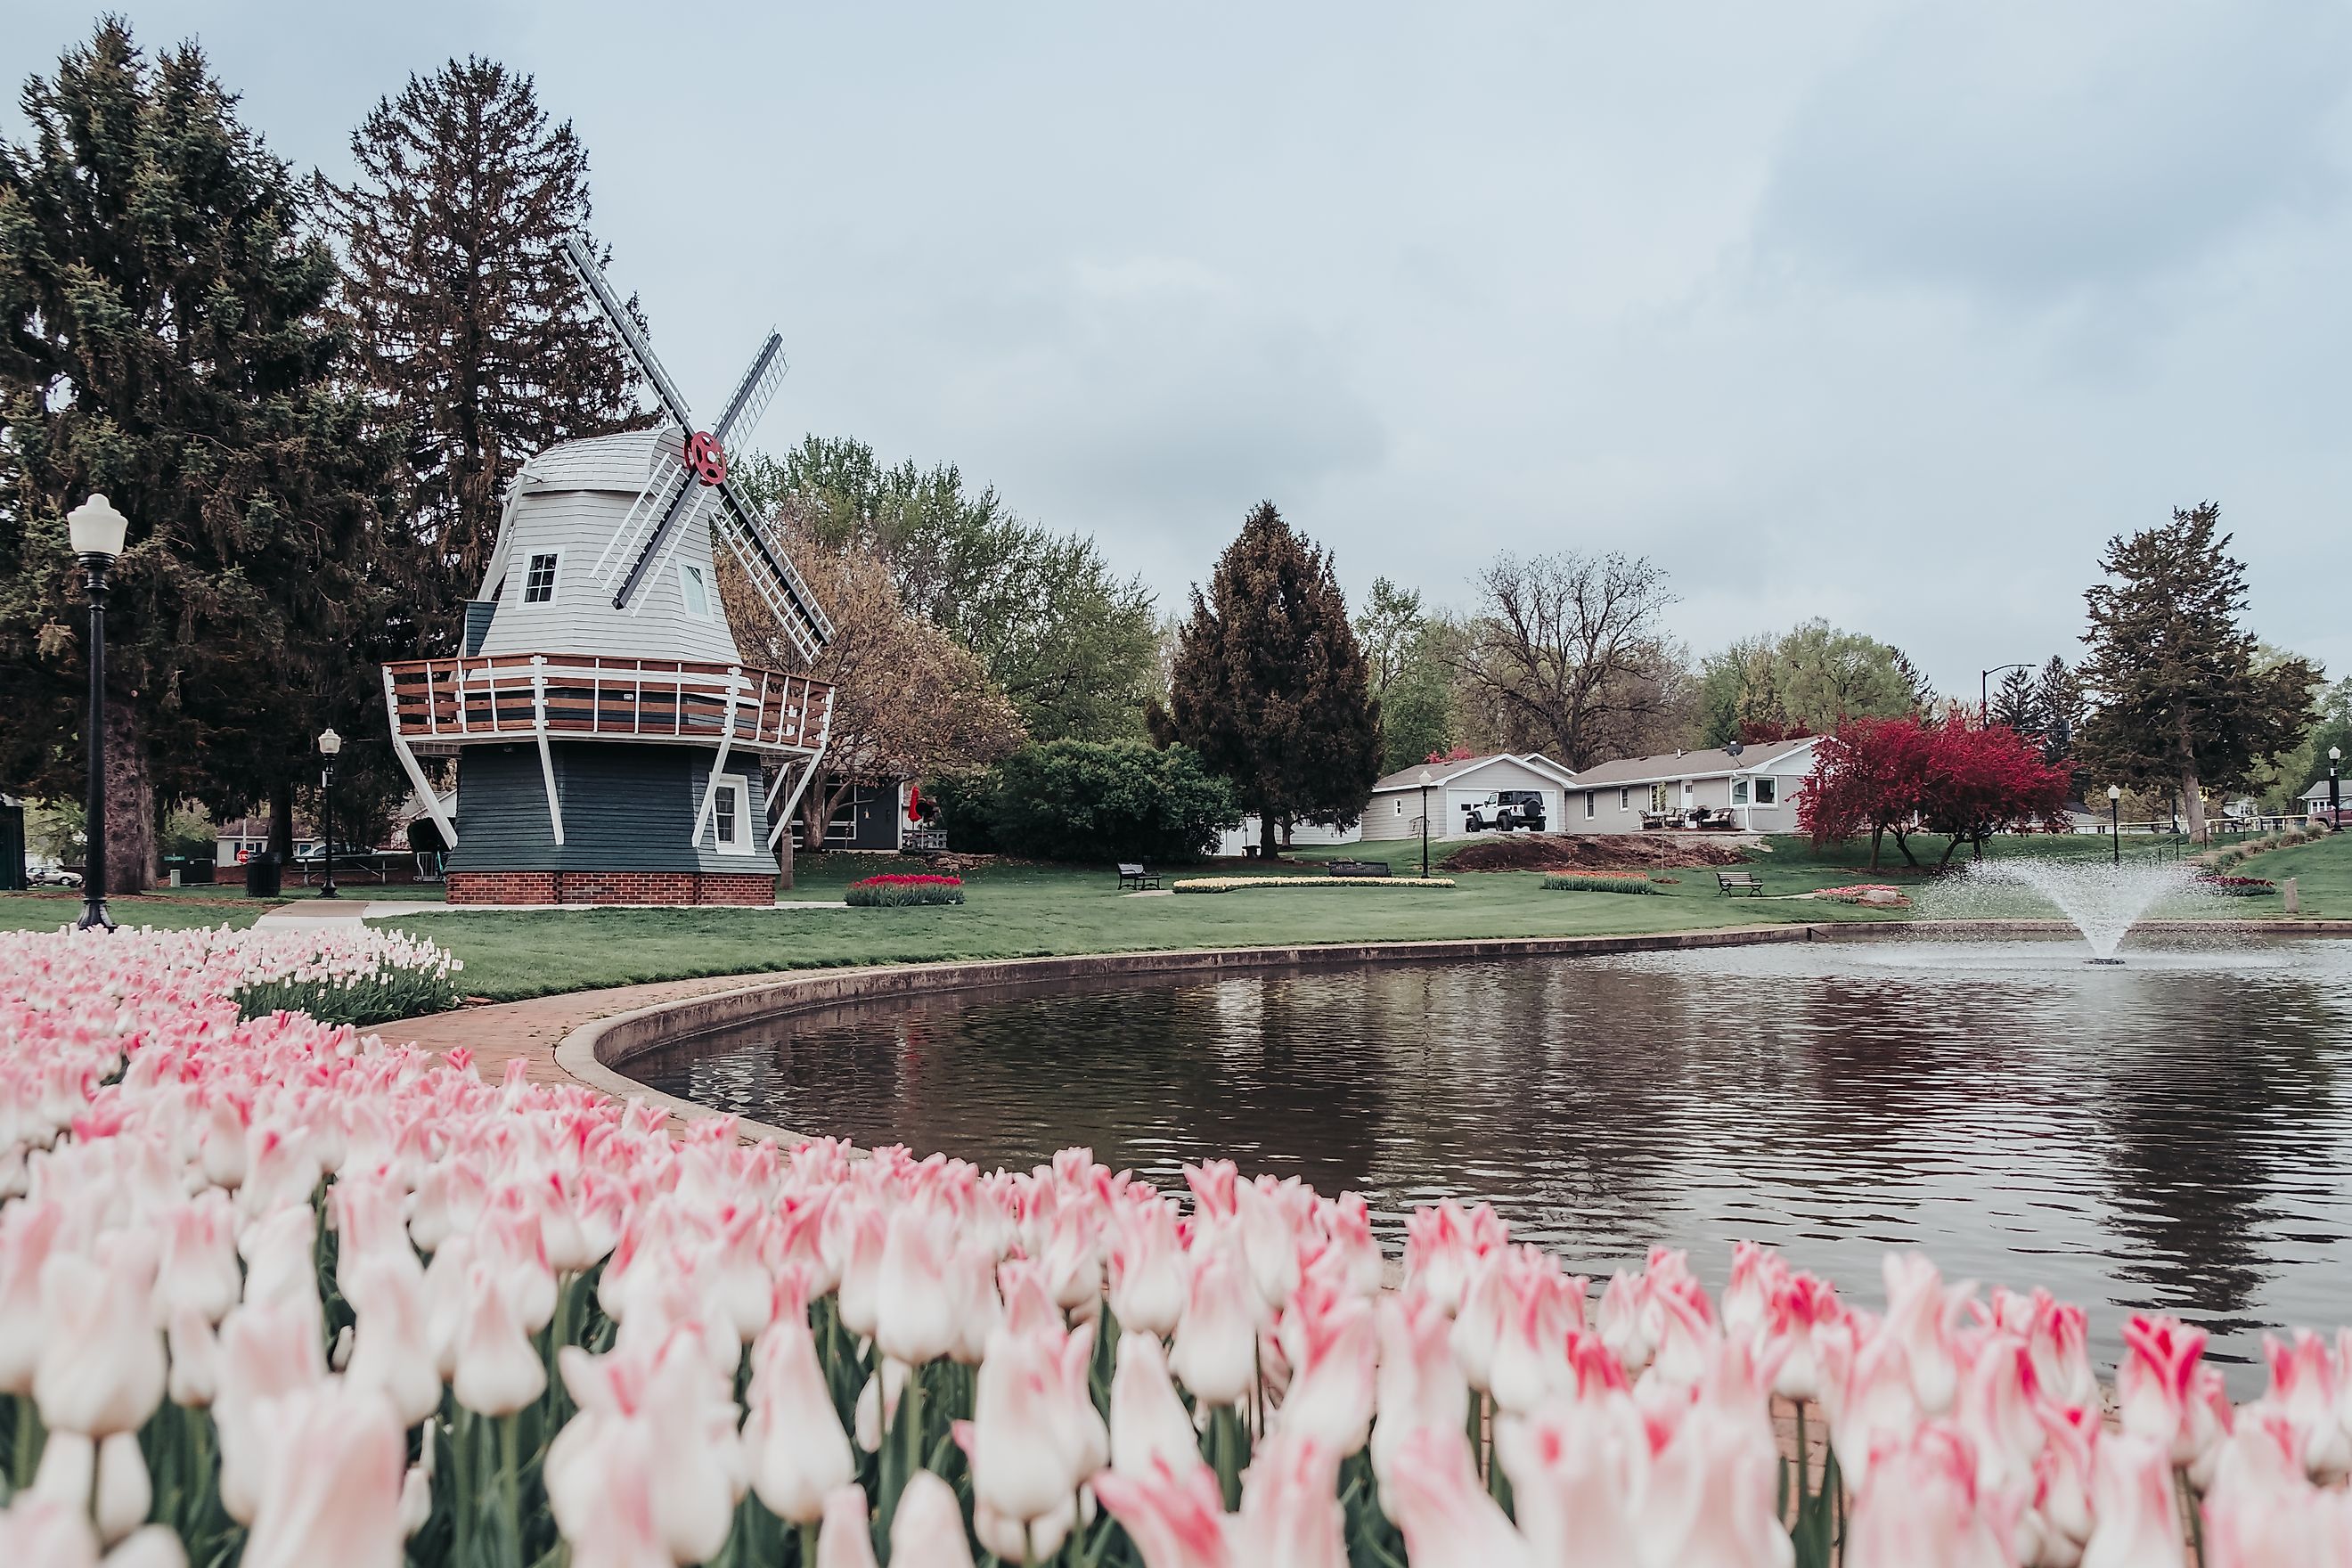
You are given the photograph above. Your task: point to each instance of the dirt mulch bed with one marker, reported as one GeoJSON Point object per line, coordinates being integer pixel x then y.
{"type": "Point", "coordinates": [1593, 852]}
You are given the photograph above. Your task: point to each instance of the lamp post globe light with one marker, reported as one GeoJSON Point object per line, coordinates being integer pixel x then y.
{"type": "Point", "coordinates": [1426, 780]}
{"type": "Point", "coordinates": [330, 745]}
{"type": "Point", "coordinates": [2115, 819]}
{"type": "Point", "coordinates": [96, 531]}
{"type": "Point", "coordinates": [2335, 799]}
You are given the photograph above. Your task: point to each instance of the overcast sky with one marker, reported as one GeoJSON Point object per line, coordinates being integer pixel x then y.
{"type": "Point", "coordinates": [1888, 313]}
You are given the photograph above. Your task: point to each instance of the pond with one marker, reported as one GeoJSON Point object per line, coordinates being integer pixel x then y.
{"type": "Point", "coordinates": [2173, 1134]}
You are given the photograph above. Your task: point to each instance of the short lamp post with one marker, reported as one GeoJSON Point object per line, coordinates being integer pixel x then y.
{"type": "Point", "coordinates": [96, 531]}
{"type": "Point", "coordinates": [1426, 780]}
{"type": "Point", "coordinates": [2115, 819]}
{"type": "Point", "coordinates": [2335, 801]}
{"type": "Point", "coordinates": [330, 745]}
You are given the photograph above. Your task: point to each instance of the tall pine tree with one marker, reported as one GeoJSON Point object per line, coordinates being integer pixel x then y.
{"type": "Point", "coordinates": [2017, 703]}
{"type": "Point", "coordinates": [475, 336]}
{"type": "Point", "coordinates": [162, 340]}
{"type": "Point", "coordinates": [2182, 702]}
{"type": "Point", "coordinates": [1270, 686]}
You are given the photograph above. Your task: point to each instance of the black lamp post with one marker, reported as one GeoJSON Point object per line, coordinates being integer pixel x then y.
{"type": "Point", "coordinates": [2115, 819]}
{"type": "Point", "coordinates": [2335, 802]}
{"type": "Point", "coordinates": [1425, 782]}
{"type": "Point", "coordinates": [330, 744]}
{"type": "Point", "coordinates": [1984, 691]}
{"type": "Point", "coordinates": [96, 531]}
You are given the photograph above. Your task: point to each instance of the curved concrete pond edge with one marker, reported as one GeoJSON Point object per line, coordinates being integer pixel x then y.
{"type": "Point", "coordinates": [597, 1053]}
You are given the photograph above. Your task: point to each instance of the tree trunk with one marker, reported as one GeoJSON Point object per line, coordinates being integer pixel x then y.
{"type": "Point", "coordinates": [281, 821]}
{"type": "Point", "coordinates": [1877, 835]}
{"type": "Point", "coordinates": [2192, 798]}
{"type": "Point", "coordinates": [1265, 836]}
{"type": "Point", "coordinates": [819, 805]}
{"type": "Point", "coordinates": [130, 805]}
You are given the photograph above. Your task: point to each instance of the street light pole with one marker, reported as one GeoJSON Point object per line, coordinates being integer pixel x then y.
{"type": "Point", "coordinates": [2115, 819]}
{"type": "Point", "coordinates": [1425, 781]}
{"type": "Point", "coordinates": [330, 744]}
{"type": "Point", "coordinates": [1984, 691]}
{"type": "Point", "coordinates": [2335, 802]}
{"type": "Point", "coordinates": [96, 532]}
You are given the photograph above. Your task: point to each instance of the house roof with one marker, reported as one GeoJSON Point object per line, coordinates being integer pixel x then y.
{"type": "Point", "coordinates": [1447, 772]}
{"type": "Point", "coordinates": [1712, 762]}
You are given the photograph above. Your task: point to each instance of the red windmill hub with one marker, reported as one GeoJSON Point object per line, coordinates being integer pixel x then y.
{"type": "Point", "coordinates": [706, 458]}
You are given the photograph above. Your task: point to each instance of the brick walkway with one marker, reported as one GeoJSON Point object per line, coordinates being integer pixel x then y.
{"type": "Point", "coordinates": [533, 1029]}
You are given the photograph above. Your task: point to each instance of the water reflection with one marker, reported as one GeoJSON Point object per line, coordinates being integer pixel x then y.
{"type": "Point", "coordinates": [2170, 1135]}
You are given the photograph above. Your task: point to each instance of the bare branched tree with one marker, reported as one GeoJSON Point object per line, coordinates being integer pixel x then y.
{"type": "Point", "coordinates": [1568, 652]}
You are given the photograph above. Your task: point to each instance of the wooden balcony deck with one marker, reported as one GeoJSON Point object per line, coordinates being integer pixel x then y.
{"type": "Point", "coordinates": [439, 705]}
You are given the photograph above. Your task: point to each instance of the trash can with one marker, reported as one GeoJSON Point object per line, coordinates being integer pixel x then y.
{"type": "Point", "coordinates": [261, 874]}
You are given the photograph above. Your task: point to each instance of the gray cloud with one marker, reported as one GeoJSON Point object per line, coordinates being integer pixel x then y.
{"type": "Point", "coordinates": [2028, 149]}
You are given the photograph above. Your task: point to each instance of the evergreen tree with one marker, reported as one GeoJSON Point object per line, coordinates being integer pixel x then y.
{"type": "Point", "coordinates": [475, 337]}
{"type": "Point", "coordinates": [2182, 700]}
{"type": "Point", "coordinates": [2017, 703]}
{"type": "Point", "coordinates": [2058, 699]}
{"type": "Point", "coordinates": [1270, 686]}
{"type": "Point", "coordinates": [164, 340]}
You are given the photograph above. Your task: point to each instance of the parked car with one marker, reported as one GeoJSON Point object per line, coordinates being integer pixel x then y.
{"type": "Point", "coordinates": [51, 876]}
{"type": "Point", "coordinates": [1503, 810]}
{"type": "Point", "coordinates": [309, 857]}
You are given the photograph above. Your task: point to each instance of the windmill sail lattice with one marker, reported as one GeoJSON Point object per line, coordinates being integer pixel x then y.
{"type": "Point", "coordinates": [690, 484]}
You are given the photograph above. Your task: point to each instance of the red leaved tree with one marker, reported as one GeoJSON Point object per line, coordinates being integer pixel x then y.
{"type": "Point", "coordinates": [1981, 781]}
{"type": "Point", "coordinates": [1897, 777]}
{"type": "Point", "coordinates": [1866, 778]}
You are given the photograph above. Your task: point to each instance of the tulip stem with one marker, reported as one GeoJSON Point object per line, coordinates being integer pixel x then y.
{"type": "Point", "coordinates": [509, 1491]}
{"type": "Point", "coordinates": [808, 1545]}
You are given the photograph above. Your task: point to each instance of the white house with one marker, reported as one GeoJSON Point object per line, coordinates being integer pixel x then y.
{"type": "Point", "coordinates": [1757, 786]}
{"type": "Point", "coordinates": [2314, 799]}
{"type": "Point", "coordinates": [1465, 787]}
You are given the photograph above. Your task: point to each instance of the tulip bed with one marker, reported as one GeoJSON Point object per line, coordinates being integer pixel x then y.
{"type": "Point", "coordinates": [899, 890]}
{"type": "Point", "coordinates": [279, 1294]}
{"type": "Point", "coordinates": [1239, 884]}
{"type": "Point", "coordinates": [1599, 882]}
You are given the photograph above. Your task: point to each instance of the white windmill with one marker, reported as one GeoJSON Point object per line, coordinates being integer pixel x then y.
{"type": "Point", "coordinates": [600, 698]}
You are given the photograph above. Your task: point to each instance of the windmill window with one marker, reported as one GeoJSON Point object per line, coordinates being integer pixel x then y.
{"type": "Point", "coordinates": [696, 591]}
{"type": "Point", "coordinates": [539, 582]}
{"type": "Point", "coordinates": [728, 818]}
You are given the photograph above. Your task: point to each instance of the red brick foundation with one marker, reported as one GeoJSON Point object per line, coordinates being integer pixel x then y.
{"type": "Point", "coordinates": [744, 888]}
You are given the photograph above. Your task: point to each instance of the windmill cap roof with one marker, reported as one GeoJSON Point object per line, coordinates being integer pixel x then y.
{"type": "Point", "coordinates": [623, 460]}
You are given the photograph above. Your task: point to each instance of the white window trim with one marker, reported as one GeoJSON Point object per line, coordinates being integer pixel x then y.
{"type": "Point", "coordinates": [1773, 780]}
{"type": "Point", "coordinates": [1625, 797]}
{"type": "Point", "coordinates": [1591, 804]}
{"type": "Point", "coordinates": [1740, 791]}
{"type": "Point", "coordinates": [732, 786]}
{"type": "Point", "coordinates": [554, 581]}
{"type": "Point", "coordinates": [686, 598]}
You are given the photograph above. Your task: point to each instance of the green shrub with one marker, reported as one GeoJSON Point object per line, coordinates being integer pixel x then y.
{"type": "Point", "coordinates": [1096, 801]}
{"type": "Point", "coordinates": [892, 892]}
{"type": "Point", "coordinates": [1597, 882]}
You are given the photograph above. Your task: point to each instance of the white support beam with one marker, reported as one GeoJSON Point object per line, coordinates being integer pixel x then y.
{"type": "Point", "coordinates": [546, 761]}
{"type": "Point", "coordinates": [415, 769]}
{"type": "Point", "coordinates": [719, 763]}
{"type": "Point", "coordinates": [784, 816]}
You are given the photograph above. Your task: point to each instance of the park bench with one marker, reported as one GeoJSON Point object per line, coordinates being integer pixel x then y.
{"type": "Point", "coordinates": [1360, 867]}
{"type": "Point", "coordinates": [1730, 882]}
{"type": "Point", "coordinates": [1135, 877]}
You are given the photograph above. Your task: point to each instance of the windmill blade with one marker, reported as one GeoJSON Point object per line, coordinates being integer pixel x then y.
{"type": "Point", "coordinates": [752, 396]}
{"type": "Point", "coordinates": [771, 574]}
{"type": "Point", "coordinates": [640, 527]}
{"type": "Point", "coordinates": [755, 390]}
{"type": "Point", "coordinates": [583, 262]}
{"type": "Point", "coordinates": [684, 501]}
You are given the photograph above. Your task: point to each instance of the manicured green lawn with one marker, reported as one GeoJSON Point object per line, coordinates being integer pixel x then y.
{"type": "Point", "coordinates": [171, 909]}
{"type": "Point", "coordinates": [1025, 912]}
